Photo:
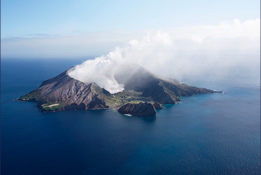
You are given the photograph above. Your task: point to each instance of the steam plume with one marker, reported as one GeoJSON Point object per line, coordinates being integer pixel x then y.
{"type": "Point", "coordinates": [178, 53]}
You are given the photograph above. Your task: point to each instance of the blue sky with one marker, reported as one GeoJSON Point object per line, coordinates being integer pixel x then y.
{"type": "Point", "coordinates": [83, 28]}
{"type": "Point", "coordinates": [26, 18]}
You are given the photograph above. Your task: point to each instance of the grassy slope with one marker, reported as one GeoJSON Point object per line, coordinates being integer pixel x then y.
{"type": "Point", "coordinates": [35, 97]}
{"type": "Point", "coordinates": [32, 96]}
{"type": "Point", "coordinates": [48, 107]}
{"type": "Point", "coordinates": [121, 98]}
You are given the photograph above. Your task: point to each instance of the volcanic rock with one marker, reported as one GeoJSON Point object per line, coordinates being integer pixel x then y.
{"type": "Point", "coordinates": [66, 93]}
{"type": "Point", "coordinates": [139, 110]}
{"type": "Point", "coordinates": [157, 105]}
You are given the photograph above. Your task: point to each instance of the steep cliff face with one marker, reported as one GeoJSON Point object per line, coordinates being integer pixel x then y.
{"type": "Point", "coordinates": [168, 92]}
{"type": "Point", "coordinates": [139, 110]}
{"type": "Point", "coordinates": [157, 105]}
{"type": "Point", "coordinates": [164, 91]}
{"type": "Point", "coordinates": [70, 93]}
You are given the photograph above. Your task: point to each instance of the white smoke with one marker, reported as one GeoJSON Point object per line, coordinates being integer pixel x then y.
{"type": "Point", "coordinates": [179, 53]}
{"type": "Point", "coordinates": [101, 71]}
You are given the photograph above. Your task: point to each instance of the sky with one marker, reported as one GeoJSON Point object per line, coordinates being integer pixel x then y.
{"type": "Point", "coordinates": [171, 38]}
{"type": "Point", "coordinates": [27, 18]}
{"type": "Point", "coordinates": [97, 27]}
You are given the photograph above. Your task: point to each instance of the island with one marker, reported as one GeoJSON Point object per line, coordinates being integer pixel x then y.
{"type": "Point", "coordinates": [143, 93]}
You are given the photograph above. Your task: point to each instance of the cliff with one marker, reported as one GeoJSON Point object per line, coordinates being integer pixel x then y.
{"type": "Point", "coordinates": [139, 110]}
{"type": "Point", "coordinates": [68, 93]}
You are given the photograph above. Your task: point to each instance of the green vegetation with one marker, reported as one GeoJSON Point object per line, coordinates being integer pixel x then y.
{"type": "Point", "coordinates": [32, 96]}
{"type": "Point", "coordinates": [52, 106]}
{"type": "Point", "coordinates": [111, 100]}
{"type": "Point", "coordinates": [131, 97]}
{"type": "Point", "coordinates": [121, 98]}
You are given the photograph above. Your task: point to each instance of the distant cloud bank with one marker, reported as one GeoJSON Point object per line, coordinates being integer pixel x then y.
{"type": "Point", "coordinates": [227, 37]}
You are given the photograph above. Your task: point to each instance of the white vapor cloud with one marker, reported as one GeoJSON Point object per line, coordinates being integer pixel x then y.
{"type": "Point", "coordinates": [180, 53]}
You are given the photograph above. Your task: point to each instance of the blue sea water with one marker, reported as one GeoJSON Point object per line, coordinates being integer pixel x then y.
{"type": "Point", "coordinates": [215, 134]}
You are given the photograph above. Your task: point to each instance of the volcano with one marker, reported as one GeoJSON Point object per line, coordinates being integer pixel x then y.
{"type": "Point", "coordinates": [66, 93]}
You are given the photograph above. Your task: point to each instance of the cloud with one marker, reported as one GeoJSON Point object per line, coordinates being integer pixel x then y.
{"type": "Point", "coordinates": [55, 46]}
{"type": "Point", "coordinates": [180, 52]}
{"type": "Point", "coordinates": [226, 36]}
{"type": "Point", "coordinates": [189, 52]}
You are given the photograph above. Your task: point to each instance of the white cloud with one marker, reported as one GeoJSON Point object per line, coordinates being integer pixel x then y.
{"type": "Point", "coordinates": [180, 53]}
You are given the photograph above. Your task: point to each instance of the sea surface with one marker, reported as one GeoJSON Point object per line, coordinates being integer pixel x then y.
{"type": "Point", "coordinates": [215, 134]}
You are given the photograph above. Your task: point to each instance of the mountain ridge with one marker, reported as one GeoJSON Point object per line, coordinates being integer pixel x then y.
{"type": "Point", "coordinates": [63, 92]}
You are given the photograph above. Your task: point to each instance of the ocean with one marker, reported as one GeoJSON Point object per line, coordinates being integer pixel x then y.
{"type": "Point", "coordinates": [214, 134]}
